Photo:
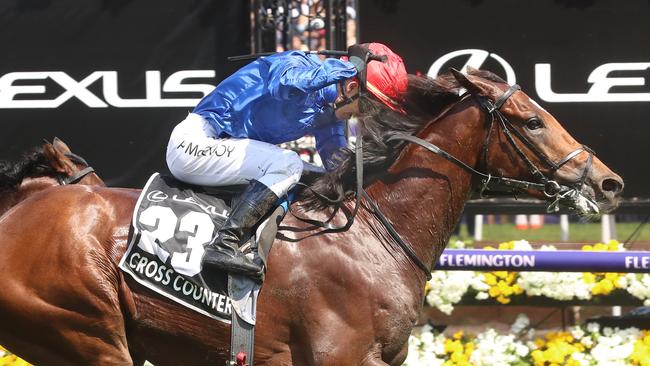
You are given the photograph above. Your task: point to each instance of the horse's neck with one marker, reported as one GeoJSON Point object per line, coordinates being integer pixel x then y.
{"type": "Point", "coordinates": [423, 194]}
{"type": "Point", "coordinates": [28, 187]}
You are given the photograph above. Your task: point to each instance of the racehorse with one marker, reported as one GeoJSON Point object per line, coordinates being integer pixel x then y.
{"type": "Point", "coordinates": [343, 298]}
{"type": "Point", "coordinates": [52, 164]}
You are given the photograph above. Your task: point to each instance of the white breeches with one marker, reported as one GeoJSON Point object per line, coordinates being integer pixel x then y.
{"type": "Point", "coordinates": [196, 155]}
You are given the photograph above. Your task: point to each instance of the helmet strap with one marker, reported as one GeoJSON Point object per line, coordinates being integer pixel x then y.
{"type": "Point", "coordinates": [346, 99]}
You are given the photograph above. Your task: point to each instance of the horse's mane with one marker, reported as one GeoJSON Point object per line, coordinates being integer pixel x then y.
{"type": "Point", "coordinates": [426, 98]}
{"type": "Point", "coordinates": [33, 163]}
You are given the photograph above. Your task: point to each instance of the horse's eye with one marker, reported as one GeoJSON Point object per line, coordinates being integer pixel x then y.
{"type": "Point", "coordinates": [534, 124]}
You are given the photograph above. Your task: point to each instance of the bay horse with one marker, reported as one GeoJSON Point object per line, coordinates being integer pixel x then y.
{"type": "Point", "coordinates": [343, 298]}
{"type": "Point", "coordinates": [50, 165]}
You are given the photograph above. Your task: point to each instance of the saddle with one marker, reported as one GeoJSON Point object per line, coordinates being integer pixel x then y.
{"type": "Point", "coordinates": [172, 222]}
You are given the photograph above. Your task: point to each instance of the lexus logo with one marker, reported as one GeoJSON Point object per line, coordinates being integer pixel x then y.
{"type": "Point", "coordinates": [157, 196]}
{"type": "Point", "coordinates": [475, 58]}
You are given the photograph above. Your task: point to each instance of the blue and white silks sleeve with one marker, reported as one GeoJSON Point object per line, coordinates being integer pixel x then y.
{"type": "Point", "coordinates": [329, 139]}
{"type": "Point", "coordinates": [290, 74]}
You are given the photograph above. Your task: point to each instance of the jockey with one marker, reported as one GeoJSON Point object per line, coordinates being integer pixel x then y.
{"type": "Point", "coordinates": [230, 137]}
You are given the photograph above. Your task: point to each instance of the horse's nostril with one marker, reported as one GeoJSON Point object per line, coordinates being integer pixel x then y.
{"type": "Point", "coordinates": [612, 185]}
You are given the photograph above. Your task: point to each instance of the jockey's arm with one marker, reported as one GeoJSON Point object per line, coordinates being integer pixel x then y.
{"type": "Point", "coordinates": [329, 139]}
{"type": "Point", "coordinates": [288, 74]}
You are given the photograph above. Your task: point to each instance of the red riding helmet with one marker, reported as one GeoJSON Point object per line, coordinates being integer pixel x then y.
{"type": "Point", "coordinates": [387, 80]}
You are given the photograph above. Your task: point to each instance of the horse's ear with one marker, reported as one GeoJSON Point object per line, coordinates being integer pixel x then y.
{"type": "Point", "coordinates": [60, 146]}
{"type": "Point", "coordinates": [55, 158]}
{"type": "Point", "coordinates": [466, 83]}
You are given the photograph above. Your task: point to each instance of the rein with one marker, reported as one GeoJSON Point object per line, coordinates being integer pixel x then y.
{"type": "Point", "coordinates": [549, 187]}
{"type": "Point", "coordinates": [75, 178]}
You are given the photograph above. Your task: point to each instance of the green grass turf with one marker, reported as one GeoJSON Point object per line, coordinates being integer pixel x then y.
{"type": "Point", "coordinates": [578, 232]}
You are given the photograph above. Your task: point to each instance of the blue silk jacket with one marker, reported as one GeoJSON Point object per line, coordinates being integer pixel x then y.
{"type": "Point", "coordinates": [281, 98]}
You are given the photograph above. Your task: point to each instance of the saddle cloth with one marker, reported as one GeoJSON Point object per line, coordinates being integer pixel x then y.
{"type": "Point", "coordinates": [172, 223]}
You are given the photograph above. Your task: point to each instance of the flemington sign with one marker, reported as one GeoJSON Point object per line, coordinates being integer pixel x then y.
{"type": "Point", "coordinates": [544, 261]}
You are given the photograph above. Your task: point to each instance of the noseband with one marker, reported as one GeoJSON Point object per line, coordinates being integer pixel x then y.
{"type": "Point", "coordinates": [75, 178]}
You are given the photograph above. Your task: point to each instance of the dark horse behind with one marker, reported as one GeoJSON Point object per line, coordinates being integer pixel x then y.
{"type": "Point", "coordinates": [50, 165]}
{"type": "Point", "coordinates": [348, 298]}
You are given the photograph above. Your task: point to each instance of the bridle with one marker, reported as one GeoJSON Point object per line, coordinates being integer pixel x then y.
{"type": "Point", "coordinates": [498, 185]}
{"type": "Point", "coordinates": [75, 178]}
{"type": "Point", "coordinates": [492, 184]}
{"type": "Point", "coordinates": [549, 187]}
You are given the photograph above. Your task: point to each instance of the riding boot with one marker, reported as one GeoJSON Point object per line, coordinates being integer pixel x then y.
{"type": "Point", "coordinates": [224, 253]}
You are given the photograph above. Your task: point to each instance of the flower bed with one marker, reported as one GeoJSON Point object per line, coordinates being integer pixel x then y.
{"type": "Point", "coordinates": [9, 359]}
{"type": "Point", "coordinates": [579, 346]}
{"type": "Point", "coordinates": [448, 288]}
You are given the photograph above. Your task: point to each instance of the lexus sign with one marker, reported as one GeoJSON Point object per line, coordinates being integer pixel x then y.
{"type": "Point", "coordinates": [602, 79]}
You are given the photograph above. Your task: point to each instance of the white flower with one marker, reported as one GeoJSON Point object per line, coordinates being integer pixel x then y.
{"type": "Point", "coordinates": [555, 285]}
{"type": "Point", "coordinates": [425, 348]}
{"type": "Point", "coordinates": [583, 359]}
{"type": "Point", "coordinates": [521, 350]}
{"type": "Point", "coordinates": [458, 244]}
{"type": "Point", "coordinates": [593, 327]}
{"type": "Point", "coordinates": [577, 333]}
{"type": "Point", "coordinates": [614, 346]}
{"type": "Point", "coordinates": [638, 285]}
{"type": "Point", "coordinates": [521, 245]}
{"type": "Point", "coordinates": [482, 295]}
{"type": "Point", "coordinates": [447, 288]}
{"type": "Point", "coordinates": [493, 349]}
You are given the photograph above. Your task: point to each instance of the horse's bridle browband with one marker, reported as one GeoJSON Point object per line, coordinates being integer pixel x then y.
{"type": "Point", "coordinates": [75, 178]}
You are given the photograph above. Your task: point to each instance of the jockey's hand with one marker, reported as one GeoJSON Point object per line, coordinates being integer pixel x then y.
{"type": "Point", "coordinates": [358, 56]}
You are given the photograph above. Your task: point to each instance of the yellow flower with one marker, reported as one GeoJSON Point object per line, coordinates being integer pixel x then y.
{"type": "Point", "coordinates": [589, 277]}
{"type": "Point", "coordinates": [494, 292]}
{"type": "Point", "coordinates": [469, 348]}
{"type": "Point", "coordinates": [597, 289]}
{"type": "Point", "coordinates": [503, 299]}
{"type": "Point", "coordinates": [641, 353]}
{"type": "Point", "coordinates": [501, 274]}
{"type": "Point", "coordinates": [427, 287]}
{"type": "Point", "coordinates": [588, 248]}
{"type": "Point", "coordinates": [607, 286]}
{"type": "Point", "coordinates": [612, 245]}
{"type": "Point", "coordinates": [507, 245]}
{"type": "Point", "coordinates": [453, 346]}
{"type": "Point", "coordinates": [458, 335]}
{"type": "Point", "coordinates": [600, 247]}
{"type": "Point", "coordinates": [490, 279]}
{"type": "Point", "coordinates": [538, 357]}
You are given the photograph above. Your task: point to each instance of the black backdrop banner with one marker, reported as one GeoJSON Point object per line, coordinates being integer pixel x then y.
{"type": "Point", "coordinates": [112, 78]}
{"type": "Point", "coordinates": [586, 61]}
